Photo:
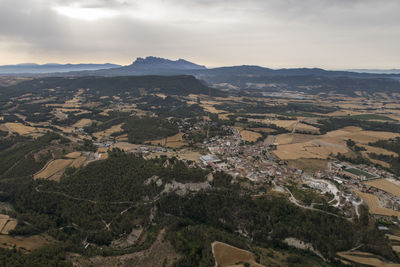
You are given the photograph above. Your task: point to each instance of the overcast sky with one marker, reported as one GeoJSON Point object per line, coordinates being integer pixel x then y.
{"type": "Point", "coordinates": [273, 33]}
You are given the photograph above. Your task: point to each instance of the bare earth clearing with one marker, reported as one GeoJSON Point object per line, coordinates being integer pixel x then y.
{"type": "Point", "coordinates": [385, 185]}
{"type": "Point", "coordinates": [78, 162]}
{"type": "Point", "coordinates": [7, 224]}
{"type": "Point", "coordinates": [83, 123]}
{"type": "Point", "coordinates": [26, 243]}
{"type": "Point", "coordinates": [55, 167]}
{"type": "Point", "coordinates": [23, 129]}
{"type": "Point", "coordinates": [374, 207]}
{"type": "Point", "coordinates": [228, 256]}
{"type": "Point", "coordinates": [365, 258]}
{"type": "Point", "coordinates": [174, 141]}
{"type": "Point", "coordinates": [296, 146]}
{"type": "Point", "coordinates": [73, 155]}
{"type": "Point", "coordinates": [161, 253]}
{"type": "Point", "coordinates": [249, 136]}
{"type": "Point", "coordinates": [107, 133]}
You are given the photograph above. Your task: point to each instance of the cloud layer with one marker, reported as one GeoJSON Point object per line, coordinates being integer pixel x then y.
{"type": "Point", "coordinates": [274, 33]}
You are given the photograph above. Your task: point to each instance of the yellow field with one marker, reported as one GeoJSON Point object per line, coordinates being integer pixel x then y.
{"type": "Point", "coordinates": [378, 150]}
{"type": "Point", "coordinates": [73, 155]}
{"type": "Point", "coordinates": [309, 165]}
{"type": "Point", "coordinates": [163, 96]}
{"type": "Point", "coordinates": [209, 106]}
{"type": "Point", "coordinates": [395, 117]}
{"type": "Point", "coordinates": [287, 124]}
{"type": "Point", "coordinates": [182, 154]}
{"type": "Point", "coordinates": [3, 220]}
{"type": "Point", "coordinates": [122, 138]}
{"type": "Point", "coordinates": [228, 256]}
{"type": "Point", "coordinates": [365, 258]}
{"type": "Point", "coordinates": [23, 129]}
{"type": "Point", "coordinates": [52, 168]}
{"type": "Point", "coordinates": [82, 123]}
{"type": "Point", "coordinates": [189, 155]}
{"type": "Point", "coordinates": [284, 139]}
{"type": "Point", "coordinates": [105, 112]}
{"type": "Point", "coordinates": [264, 130]}
{"type": "Point", "coordinates": [296, 146]}
{"type": "Point", "coordinates": [300, 138]}
{"type": "Point", "coordinates": [7, 224]}
{"type": "Point", "coordinates": [26, 243]}
{"type": "Point", "coordinates": [3, 128]}
{"type": "Point", "coordinates": [174, 141]}
{"type": "Point", "coordinates": [359, 135]}
{"type": "Point", "coordinates": [65, 129]}
{"type": "Point", "coordinates": [224, 116]}
{"type": "Point", "coordinates": [385, 185]}
{"type": "Point", "coordinates": [302, 127]}
{"type": "Point", "coordinates": [78, 162]}
{"type": "Point", "coordinates": [393, 237]}
{"type": "Point", "coordinates": [108, 132]}
{"type": "Point", "coordinates": [211, 109]}
{"type": "Point", "coordinates": [125, 146]}
{"type": "Point", "coordinates": [396, 249]}
{"type": "Point", "coordinates": [103, 156]}
{"type": "Point", "coordinates": [312, 149]}
{"type": "Point", "coordinates": [249, 136]}
{"type": "Point", "coordinates": [382, 163]}
{"type": "Point", "coordinates": [102, 150]}
{"type": "Point", "coordinates": [374, 207]}
{"type": "Point", "coordinates": [175, 138]}
{"type": "Point", "coordinates": [177, 144]}
{"type": "Point", "coordinates": [342, 113]}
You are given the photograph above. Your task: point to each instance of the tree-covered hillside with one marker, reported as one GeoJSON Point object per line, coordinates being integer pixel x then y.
{"type": "Point", "coordinates": [99, 203]}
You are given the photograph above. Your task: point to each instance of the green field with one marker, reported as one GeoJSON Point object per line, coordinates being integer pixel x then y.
{"type": "Point", "coordinates": [360, 172]}
{"type": "Point", "coordinates": [299, 114]}
{"type": "Point", "coordinates": [370, 117]}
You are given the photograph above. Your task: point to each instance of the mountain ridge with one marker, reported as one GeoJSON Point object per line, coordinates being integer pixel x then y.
{"type": "Point", "coordinates": [34, 68]}
{"type": "Point", "coordinates": [163, 63]}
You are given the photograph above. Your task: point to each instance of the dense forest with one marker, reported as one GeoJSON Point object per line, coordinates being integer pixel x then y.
{"type": "Point", "coordinates": [173, 85]}
{"type": "Point", "coordinates": [391, 145]}
{"type": "Point", "coordinates": [331, 124]}
{"type": "Point", "coordinates": [99, 202]}
{"type": "Point", "coordinates": [148, 128]}
{"type": "Point", "coordinates": [17, 154]}
{"type": "Point", "coordinates": [261, 107]}
{"type": "Point", "coordinates": [92, 206]}
{"type": "Point", "coordinates": [169, 107]}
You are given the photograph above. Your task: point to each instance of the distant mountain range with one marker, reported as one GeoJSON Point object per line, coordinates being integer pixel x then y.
{"type": "Point", "coordinates": [32, 68]}
{"type": "Point", "coordinates": [378, 71]}
{"type": "Point", "coordinates": [245, 77]}
{"type": "Point", "coordinates": [151, 63]}
{"type": "Point", "coordinates": [161, 66]}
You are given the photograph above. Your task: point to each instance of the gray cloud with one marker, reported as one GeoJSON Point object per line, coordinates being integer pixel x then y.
{"type": "Point", "coordinates": [275, 33]}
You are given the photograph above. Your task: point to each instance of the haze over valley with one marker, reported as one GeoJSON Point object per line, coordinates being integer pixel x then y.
{"type": "Point", "coordinates": [242, 135]}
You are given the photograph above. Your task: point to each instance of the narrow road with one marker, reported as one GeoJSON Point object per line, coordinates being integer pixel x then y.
{"type": "Point", "coordinates": [294, 127]}
{"type": "Point", "coordinates": [356, 204]}
{"type": "Point", "coordinates": [107, 225]}
{"type": "Point", "coordinates": [297, 203]}
{"type": "Point", "coordinates": [83, 199]}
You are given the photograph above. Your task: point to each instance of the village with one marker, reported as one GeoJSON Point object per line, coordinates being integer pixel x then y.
{"type": "Point", "coordinates": [344, 181]}
{"type": "Point", "coordinates": [348, 185]}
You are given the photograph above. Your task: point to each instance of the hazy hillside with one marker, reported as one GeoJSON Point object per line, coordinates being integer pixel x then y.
{"type": "Point", "coordinates": [135, 85]}
{"type": "Point", "coordinates": [52, 67]}
{"type": "Point", "coordinates": [245, 77]}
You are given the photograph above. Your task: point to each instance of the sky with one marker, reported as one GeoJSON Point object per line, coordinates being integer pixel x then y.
{"type": "Point", "coordinates": [332, 34]}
